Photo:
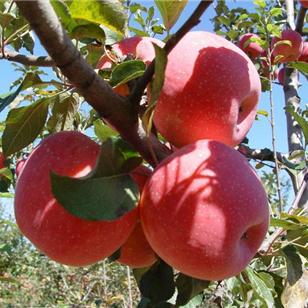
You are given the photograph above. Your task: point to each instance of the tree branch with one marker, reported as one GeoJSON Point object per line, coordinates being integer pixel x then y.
{"type": "Point", "coordinates": [259, 154]}
{"type": "Point", "coordinates": [13, 56]}
{"type": "Point", "coordinates": [300, 20]}
{"type": "Point", "coordinates": [192, 21]}
{"type": "Point", "coordinates": [116, 109]}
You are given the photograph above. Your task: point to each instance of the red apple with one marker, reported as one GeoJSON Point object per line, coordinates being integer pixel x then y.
{"type": "Point", "coordinates": [136, 251]}
{"type": "Point", "coordinates": [253, 49]}
{"type": "Point", "coordinates": [288, 53]}
{"type": "Point", "coordinates": [204, 211]}
{"type": "Point", "coordinates": [304, 3]}
{"type": "Point", "coordinates": [281, 75]}
{"type": "Point", "coordinates": [2, 159]}
{"type": "Point", "coordinates": [211, 91]}
{"type": "Point", "coordinates": [19, 166]}
{"type": "Point", "coordinates": [304, 55]}
{"type": "Point", "coordinates": [62, 236]}
{"type": "Point", "coordinates": [138, 47]}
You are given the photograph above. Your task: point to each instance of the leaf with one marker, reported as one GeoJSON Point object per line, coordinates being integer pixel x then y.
{"type": "Point", "coordinates": [103, 131]}
{"type": "Point", "coordinates": [63, 13]}
{"type": "Point", "coordinates": [8, 98]}
{"type": "Point", "coordinates": [300, 219]}
{"type": "Point", "coordinates": [170, 11]}
{"type": "Point", "coordinates": [6, 195]}
{"type": "Point", "coordinates": [263, 113]}
{"type": "Point", "coordinates": [104, 198]}
{"type": "Point", "coordinates": [195, 302]}
{"type": "Point", "coordinates": [260, 287]}
{"type": "Point", "coordinates": [88, 31]}
{"type": "Point", "coordinates": [294, 264]}
{"type": "Point", "coordinates": [127, 71]}
{"type": "Point", "coordinates": [110, 13]}
{"type": "Point", "coordinates": [188, 288]}
{"type": "Point", "coordinates": [159, 77]}
{"type": "Point", "coordinates": [301, 66]}
{"type": "Point", "coordinates": [23, 125]}
{"type": "Point", "coordinates": [296, 295]}
{"type": "Point", "coordinates": [260, 3]}
{"type": "Point", "coordinates": [303, 123]}
{"type": "Point", "coordinates": [157, 283]}
{"type": "Point", "coordinates": [286, 225]}
{"type": "Point", "coordinates": [64, 109]}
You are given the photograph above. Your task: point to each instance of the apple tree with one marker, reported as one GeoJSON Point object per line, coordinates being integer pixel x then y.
{"type": "Point", "coordinates": [124, 146]}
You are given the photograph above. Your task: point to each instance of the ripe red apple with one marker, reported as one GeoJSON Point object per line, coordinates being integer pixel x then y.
{"type": "Point", "coordinates": [62, 236]}
{"type": "Point", "coordinates": [204, 211]}
{"type": "Point", "coordinates": [2, 159]}
{"type": "Point", "coordinates": [138, 47]}
{"type": "Point", "coordinates": [281, 74]}
{"type": "Point", "coordinates": [136, 251]}
{"type": "Point", "coordinates": [304, 3]}
{"type": "Point", "coordinates": [253, 49]}
{"type": "Point", "coordinates": [304, 55]}
{"type": "Point", "coordinates": [211, 91]}
{"type": "Point", "coordinates": [19, 166]}
{"type": "Point", "coordinates": [288, 53]}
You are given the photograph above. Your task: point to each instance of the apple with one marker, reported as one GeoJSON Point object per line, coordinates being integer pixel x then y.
{"type": "Point", "coordinates": [211, 91]}
{"type": "Point", "coordinates": [136, 251]}
{"type": "Point", "coordinates": [304, 55]}
{"type": "Point", "coordinates": [62, 236]}
{"type": "Point", "coordinates": [138, 47]}
{"type": "Point", "coordinates": [281, 76]}
{"type": "Point", "coordinates": [19, 166]}
{"type": "Point", "coordinates": [2, 159]}
{"type": "Point", "coordinates": [204, 211]}
{"type": "Point", "coordinates": [253, 49]}
{"type": "Point", "coordinates": [288, 53]}
{"type": "Point", "coordinates": [304, 3]}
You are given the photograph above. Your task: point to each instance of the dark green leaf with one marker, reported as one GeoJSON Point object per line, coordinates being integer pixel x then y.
{"type": "Point", "coordinates": [157, 283]}
{"type": "Point", "coordinates": [127, 71]}
{"type": "Point", "coordinates": [170, 11]}
{"type": "Point", "coordinates": [110, 13]}
{"type": "Point", "coordinates": [23, 125]}
{"type": "Point", "coordinates": [8, 98]}
{"type": "Point", "coordinates": [104, 198]}
{"type": "Point", "coordinates": [188, 288]}
{"type": "Point", "coordinates": [294, 264]}
{"type": "Point", "coordinates": [88, 31]}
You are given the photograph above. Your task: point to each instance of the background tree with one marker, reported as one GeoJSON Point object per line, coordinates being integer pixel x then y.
{"type": "Point", "coordinates": [75, 35]}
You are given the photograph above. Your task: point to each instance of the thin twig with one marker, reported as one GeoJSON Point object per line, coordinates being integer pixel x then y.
{"type": "Point", "coordinates": [192, 21]}
{"type": "Point", "coordinates": [300, 20]}
{"type": "Point", "coordinates": [129, 286]}
{"type": "Point", "coordinates": [267, 244]}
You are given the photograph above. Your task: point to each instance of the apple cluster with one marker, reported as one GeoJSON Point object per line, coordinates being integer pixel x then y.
{"type": "Point", "coordinates": [286, 48]}
{"type": "Point", "coordinates": [203, 209]}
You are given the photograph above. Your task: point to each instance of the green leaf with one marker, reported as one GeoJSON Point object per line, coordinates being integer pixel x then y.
{"type": "Point", "coordinates": [6, 195]}
{"type": "Point", "coordinates": [188, 288]}
{"type": "Point", "coordinates": [294, 264]}
{"type": "Point", "coordinates": [170, 11]}
{"type": "Point", "coordinates": [286, 225]}
{"type": "Point", "coordinates": [260, 3]}
{"type": "Point", "coordinates": [260, 287]}
{"type": "Point", "coordinates": [157, 283]}
{"type": "Point", "coordinates": [103, 131]}
{"type": "Point", "coordinates": [301, 66]}
{"type": "Point", "coordinates": [64, 109]}
{"type": "Point", "coordinates": [127, 71]}
{"type": "Point", "coordinates": [8, 98]}
{"type": "Point", "coordinates": [23, 125]}
{"type": "Point", "coordinates": [263, 113]}
{"type": "Point", "coordinates": [63, 13]}
{"type": "Point", "coordinates": [301, 219]}
{"type": "Point", "coordinates": [6, 172]}
{"type": "Point", "coordinates": [276, 11]}
{"type": "Point", "coordinates": [110, 13]}
{"type": "Point", "coordinates": [104, 198]}
{"type": "Point", "coordinates": [88, 31]}
{"type": "Point", "coordinates": [303, 123]}
{"type": "Point", "coordinates": [159, 77]}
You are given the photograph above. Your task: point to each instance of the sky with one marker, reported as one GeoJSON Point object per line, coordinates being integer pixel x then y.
{"type": "Point", "coordinates": [259, 135]}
